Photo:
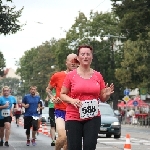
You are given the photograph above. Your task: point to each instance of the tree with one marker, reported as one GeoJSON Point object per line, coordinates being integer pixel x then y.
{"type": "Point", "coordinates": [35, 66]}
{"type": "Point", "coordinates": [134, 71]}
{"type": "Point", "coordinates": [133, 16]}
{"type": "Point", "coordinates": [2, 64]}
{"type": "Point", "coordinates": [62, 50]}
{"type": "Point", "coordinates": [13, 84]}
{"type": "Point", "coordinates": [9, 22]}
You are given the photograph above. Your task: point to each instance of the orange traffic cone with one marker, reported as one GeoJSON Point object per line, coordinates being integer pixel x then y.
{"type": "Point", "coordinates": [45, 131]}
{"type": "Point", "coordinates": [127, 145]}
{"type": "Point", "coordinates": [40, 129]}
{"type": "Point", "coordinates": [49, 134]}
{"type": "Point", "coordinates": [20, 122]}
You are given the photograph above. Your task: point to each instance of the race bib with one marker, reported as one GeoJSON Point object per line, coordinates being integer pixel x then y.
{"type": "Point", "coordinates": [5, 112]}
{"type": "Point", "coordinates": [35, 117]}
{"type": "Point", "coordinates": [89, 109]}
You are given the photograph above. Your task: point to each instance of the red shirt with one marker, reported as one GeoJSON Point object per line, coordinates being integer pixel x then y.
{"type": "Point", "coordinates": [82, 89]}
{"type": "Point", "coordinates": [56, 82]}
{"type": "Point", "coordinates": [19, 111]}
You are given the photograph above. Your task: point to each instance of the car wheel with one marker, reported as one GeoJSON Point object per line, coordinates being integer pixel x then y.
{"type": "Point", "coordinates": [108, 135]}
{"type": "Point", "coordinates": [117, 136]}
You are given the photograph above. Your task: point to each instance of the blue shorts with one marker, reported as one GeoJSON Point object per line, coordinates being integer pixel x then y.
{"type": "Point", "coordinates": [60, 113]}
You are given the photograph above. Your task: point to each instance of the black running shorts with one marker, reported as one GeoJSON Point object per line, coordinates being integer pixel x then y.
{"type": "Point", "coordinates": [8, 119]}
{"type": "Point", "coordinates": [1, 122]}
{"type": "Point", "coordinates": [30, 122]}
{"type": "Point", "coordinates": [52, 117]}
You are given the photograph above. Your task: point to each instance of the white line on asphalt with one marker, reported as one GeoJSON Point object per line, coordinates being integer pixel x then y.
{"type": "Point", "coordinates": [146, 144]}
{"type": "Point", "coordinates": [106, 139]}
{"type": "Point", "coordinates": [117, 143]}
{"type": "Point", "coordinates": [102, 147]}
{"type": "Point", "coordinates": [142, 141]}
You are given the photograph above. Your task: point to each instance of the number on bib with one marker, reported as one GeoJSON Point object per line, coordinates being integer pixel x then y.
{"type": "Point", "coordinates": [5, 112]}
{"type": "Point", "coordinates": [89, 109]}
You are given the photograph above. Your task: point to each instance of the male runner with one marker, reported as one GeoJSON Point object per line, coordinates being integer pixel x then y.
{"type": "Point", "coordinates": [56, 82]}
{"type": "Point", "coordinates": [31, 103]}
{"type": "Point", "coordinates": [6, 102]}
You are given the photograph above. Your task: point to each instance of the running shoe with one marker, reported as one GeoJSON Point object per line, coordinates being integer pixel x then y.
{"type": "Point", "coordinates": [1, 143]}
{"type": "Point", "coordinates": [28, 143]}
{"type": "Point", "coordinates": [33, 142]}
{"type": "Point", "coordinates": [6, 143]}
{"type": "Point", "coordinates": [53, 143]}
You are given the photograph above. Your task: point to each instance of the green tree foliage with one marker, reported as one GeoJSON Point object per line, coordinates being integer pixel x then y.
{"type": "Point", "coordinates": [2, 61]}
{"type": "Point", "coordinates": [9, 22]}
{"type": "Point", "coordinates": [61, 52]}
{"type": "Point", "coordinates": [134, 71]}
{"type": "Point", "coordinates": [13, 84]}
{"type": "Point", "coordinates": [103, 24]}
{"type": "Point", "coordinates": [134, 17]}
{"type": "Point", "coordinates": [35, 66]}
{"type": "Point", "coordinates": [2, 64]}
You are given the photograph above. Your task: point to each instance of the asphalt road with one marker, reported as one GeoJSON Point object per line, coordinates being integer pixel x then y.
{"type": "Point", "coordinates": [139, 140]}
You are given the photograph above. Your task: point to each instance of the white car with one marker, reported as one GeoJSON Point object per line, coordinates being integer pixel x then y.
{"type": "Point", "coordinates": [45, 115]}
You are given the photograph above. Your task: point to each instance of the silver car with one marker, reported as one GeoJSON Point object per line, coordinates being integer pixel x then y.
{"type": "Point", "coordinates": [45, 115]}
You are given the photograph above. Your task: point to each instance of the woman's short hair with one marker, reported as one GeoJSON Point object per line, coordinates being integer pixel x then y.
{"type": "Point", "coordinates": [84, 46]}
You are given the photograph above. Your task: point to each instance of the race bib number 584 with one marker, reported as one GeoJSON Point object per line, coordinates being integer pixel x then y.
{"type": "Point", "coordinates": [89, 109]}
{"type": "Point", "coordinates": [5, 112]}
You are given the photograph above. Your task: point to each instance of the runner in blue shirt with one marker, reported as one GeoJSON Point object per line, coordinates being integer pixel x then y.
{"type": "Point", "coordinates": [31, 103]}
{"type": "Point", "coordinates": [6, 103]}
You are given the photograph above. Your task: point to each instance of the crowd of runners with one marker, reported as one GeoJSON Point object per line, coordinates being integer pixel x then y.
{"type": "Point", "coordinates": [73, 109]}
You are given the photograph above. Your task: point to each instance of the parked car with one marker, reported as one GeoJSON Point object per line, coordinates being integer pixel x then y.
{"type": "Point", "coordinates": [118, 114]}
{"type": "Point", "coordinates": [110, 124]}
{"type": "Point", "coordinates": [45, 115]}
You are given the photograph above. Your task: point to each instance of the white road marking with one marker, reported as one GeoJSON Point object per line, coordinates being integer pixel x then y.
{"type": "Point", "coordinates": [122, 141]}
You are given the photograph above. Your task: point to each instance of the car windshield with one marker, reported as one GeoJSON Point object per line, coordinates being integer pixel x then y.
{"type": "Point", "coordinates": [106, 110]}
{"type": "Point", "coordinates": [45, 110]}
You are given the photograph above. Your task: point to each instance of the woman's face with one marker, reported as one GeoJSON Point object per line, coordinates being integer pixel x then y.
{"type": "Point", "coordinates": [85, 56]}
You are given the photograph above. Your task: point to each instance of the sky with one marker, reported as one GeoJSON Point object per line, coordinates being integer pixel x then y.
{"type": "Point", "coordinates": [44, 19]}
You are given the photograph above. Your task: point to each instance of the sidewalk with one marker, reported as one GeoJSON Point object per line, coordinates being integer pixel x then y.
{"type": "Point", "coordinates": [135, 126]}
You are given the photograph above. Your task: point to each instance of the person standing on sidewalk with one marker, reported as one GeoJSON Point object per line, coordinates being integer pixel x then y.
{"type": "Point", "coordinates": [6, 103]}
{"type": "Point", "coordinates": [31, 103]}
{"type": "Point", "coordinates": [56, 82]}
